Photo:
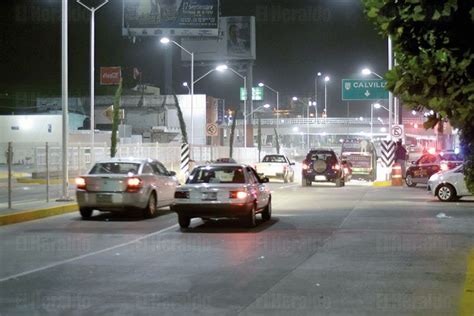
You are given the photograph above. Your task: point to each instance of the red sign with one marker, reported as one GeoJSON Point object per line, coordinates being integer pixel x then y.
{"type": "Point", "coordinates": [110, 75]}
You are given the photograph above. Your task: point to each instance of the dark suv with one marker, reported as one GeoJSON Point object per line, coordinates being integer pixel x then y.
{"type": "Point", "coordinates": [322, 165]}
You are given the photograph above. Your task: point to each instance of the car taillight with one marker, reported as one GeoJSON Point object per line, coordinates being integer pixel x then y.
{"type": "Point", "coordinates": [336, 167]}
{"type": "Point", "coordinates": [305, 166]}
{"type": "Point", "coordinates": [134, 184]}
{"type": "Point", "coordinates": [81, 183]}
{"type": "Point", "coordinates": [237, 195]}
{"type": "Point", "coordinates": [346, 170]}
{"type": "Point", "coordinates": [181, 195]}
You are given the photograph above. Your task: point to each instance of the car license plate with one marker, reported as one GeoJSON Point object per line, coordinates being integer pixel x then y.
{"type": "Point", "coordinates": [320, 178]}
{"type": "Point", "coordinates": [104, 198]}
{"type": "Point", "coordinates": [209, 196]}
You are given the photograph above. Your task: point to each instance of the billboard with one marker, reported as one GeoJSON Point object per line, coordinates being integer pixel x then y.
{"type": "Point", "coordinates": [236, 41]}
{"type": "Point", "coordinates": [170, 17]}
{"type": "Point", "coordinates": [110, 75]}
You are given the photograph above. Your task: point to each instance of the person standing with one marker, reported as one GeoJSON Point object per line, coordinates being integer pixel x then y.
{"type": "Point", "coordinates": [401, 156]}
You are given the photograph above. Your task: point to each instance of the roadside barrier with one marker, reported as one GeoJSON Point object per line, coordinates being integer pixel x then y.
{"type": "Point", "coordinates": [397, 175]}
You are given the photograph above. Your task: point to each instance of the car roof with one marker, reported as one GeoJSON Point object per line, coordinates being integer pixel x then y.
{"type": "Point", "coordinates": [127, 160]}
{"type": "Point", "coordinates": [320, 150]}
{"type": "Point", "coordinates": [223, 165]}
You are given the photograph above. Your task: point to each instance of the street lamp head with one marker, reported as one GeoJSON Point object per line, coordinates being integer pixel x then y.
{"type": "Point", "coordinates": [185, 84]}
{"type": "Point", "coordinates": [326, 79]}
{"type": "Point", "coordinates": [314, 103]}
{"type": "Point", "coordinates": [413, 112]}
{"type": "Point", "coordinates": [366, 71]}
{"type": "Point", "coordinates": [261, 84]}
{"type": "Point", "coordinates": [295, 98]}
{"type": "Point", "coordinates": [319, 74]}
{"type": "Point", "coordinates": [295, 129]}
{"type": "Point", "coordinates": [361, 118]}
{"type": "Point", "coordinates": [266, 106]}
{"type": "Point", "coordinates": [377, 105]}
{"type": "Point", "coordinates": [221, 67]}
{"type": "Point", "coordinates": [165, 40]}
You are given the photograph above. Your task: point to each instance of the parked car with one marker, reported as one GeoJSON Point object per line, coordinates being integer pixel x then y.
{"type": "Point", "coordinates": [322, 165]}
{"type": "Point", "coordinates": [225, 160]}
{"type": "Point", "coordinates": [118, 185]}
{"type": "Point", "coordinates": [223, 191]}
{"type": "Point", "coordinates": [449, 185]}
{"type": "Point", "coordinates": [428, 164]}
{"type": "Point", "coordinates": [277, 167]}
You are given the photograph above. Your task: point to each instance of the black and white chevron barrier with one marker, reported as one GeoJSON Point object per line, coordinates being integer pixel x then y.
{"type": "Point", "coordinates": [184, 166]}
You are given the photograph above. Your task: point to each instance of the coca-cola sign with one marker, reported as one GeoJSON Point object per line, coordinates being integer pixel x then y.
{"type": "Point", "coordinates": [110, 75]}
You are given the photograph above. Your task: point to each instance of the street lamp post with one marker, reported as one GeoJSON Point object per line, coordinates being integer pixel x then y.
{"type": "Point", "coordinates": [261, 84]}
{"type": "Point", "coordinates": [316, 79]}
{"type": "Point", "coordinates": [377, 106]}
{"type": "Point", "coordinates": [326, 79]}
{"type": "Point", "coordinates": [92, 56]}
{"type": "Point", "coordinates": [166, 40]}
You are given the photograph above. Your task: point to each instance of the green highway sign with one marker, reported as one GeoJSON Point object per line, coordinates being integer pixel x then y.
{"type": "Point", "coordinates": [257, 94]}
{"type": "Point", "coordinates": [364, 89]}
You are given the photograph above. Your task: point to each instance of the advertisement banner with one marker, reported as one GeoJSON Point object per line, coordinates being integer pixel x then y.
{"type": "Point", "coordinates": [170, 17]}
{"type": "Point", "coordinates": [236, 41]}
{"type": "Point", "coordinates": [110, 75]}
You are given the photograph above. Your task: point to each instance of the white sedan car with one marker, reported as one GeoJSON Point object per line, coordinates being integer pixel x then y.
{"type": "Point", "coordinates": [118, 185]}
{"type": "Point", "coordinates": [448, 185]}
{"type": "Point", "coordinates": [223, 191]}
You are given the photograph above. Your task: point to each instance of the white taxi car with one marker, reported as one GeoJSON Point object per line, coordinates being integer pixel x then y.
{"type": "Point", "coordinates": [449, 185]}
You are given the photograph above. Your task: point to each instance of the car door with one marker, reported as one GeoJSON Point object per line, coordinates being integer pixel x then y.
{"type": "Point", "coordinates": [427, 168]}
{"type": "Point", "coordinates": [291, 171]}
{"type": "Point", "coordinates": [260, 188]}
{"type": "Point", "coordinates": [460, 183]}
{"type": "Point", "coordinates": [159, 184]}
{"type": "Point", "coordinates": [170, 181]}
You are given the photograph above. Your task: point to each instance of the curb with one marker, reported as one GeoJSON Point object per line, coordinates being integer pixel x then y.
{"type": "Point", "coordinates": [41, 181]}
{"type": "Point", "coordinates": [382, 184]}
{"type": "Point", "coordinates": [37, 214]}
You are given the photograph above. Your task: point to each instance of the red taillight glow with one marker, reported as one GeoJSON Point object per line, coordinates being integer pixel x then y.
{"type": "Point", "coordinates": [133, 184]}
{"type": "Point", "coordinates": [81, 183]}
{"type": "Point", "coordinates": [305, 166]}
{"type": "Point", "coordinates": [432, 151]}
{"type": "Point", "coordinates": [336, 167]}
{"type": "Point", "coordinates": [237, 195]}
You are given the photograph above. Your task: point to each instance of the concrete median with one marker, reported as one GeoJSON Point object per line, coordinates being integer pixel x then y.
{"type": "Point", "coordinates": [32, 214]}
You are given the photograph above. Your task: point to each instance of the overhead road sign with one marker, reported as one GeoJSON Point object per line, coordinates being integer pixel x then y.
{"type": "Point", "coordinates": [257, 94]}
{"type": "Point", "coordinates": [364, 89]}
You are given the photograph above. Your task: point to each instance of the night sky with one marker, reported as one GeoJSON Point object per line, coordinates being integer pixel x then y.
{"type": "Point", "coordinates": [335, 39]}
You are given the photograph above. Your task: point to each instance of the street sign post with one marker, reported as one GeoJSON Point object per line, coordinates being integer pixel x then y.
{"type": "Point", "coordinates": [212, 130]}
{"type": "Point", "coordinates": [364, 89]}
{"type": "Point", "coordinates": [397, 131]}
{"type": "Point", "coordinates": [257, 94]}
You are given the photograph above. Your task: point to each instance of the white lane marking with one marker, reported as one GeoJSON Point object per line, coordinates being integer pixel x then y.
{"type": "Point", "coordinates": [52, 265]}
{"type": "Point", "coordinates": [288, 186]}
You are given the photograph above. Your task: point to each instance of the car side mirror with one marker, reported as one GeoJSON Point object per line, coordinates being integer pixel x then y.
{"type": "Point", "coordinates": [172, 173]}
{"type": "Point", "coordinates": [265, 180]}
{"type": "Point", "coordinates": [292, 163]}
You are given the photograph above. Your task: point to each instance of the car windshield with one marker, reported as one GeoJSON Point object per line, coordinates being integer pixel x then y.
{"type": "Point", "coordinates": [274, 158]}
{"type": "Point", "coordinates": [115, 168]}
{"type": "Point", "coordinates": [220, 174]}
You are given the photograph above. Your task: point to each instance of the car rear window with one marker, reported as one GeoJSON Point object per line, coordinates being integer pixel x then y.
{"type": "Point", "coordinates": [219, 174]}
{"type": "Point", "coordinates": [322, 155]}
{"type": "Point", "coordinates": [115, 168]}
{"type": "Point", "coordinates": [274, 159]}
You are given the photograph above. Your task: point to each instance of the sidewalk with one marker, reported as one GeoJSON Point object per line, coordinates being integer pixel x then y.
{"type": "Point", "coordinates": [31, 210]}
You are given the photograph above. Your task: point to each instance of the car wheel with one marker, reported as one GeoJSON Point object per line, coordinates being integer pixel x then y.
{"type": "Point", "coordinates": [86, 212]}
{"type": "Point", "coordinates": [285, 178]}
{"type": "Point", "coordinates": [339, 182]}
{"type": "Point", "coordinates": [267, 211]}
{"type": "Point", "coordinates": [308, 182]}
{"type": "Point", "coordinates": [446, 193]}
{"type": "Point", "coordinates": [409, 181]}
{"type": "Point", "coordinates": [184, 221]}
{"type": "Point", "coordinates": [251, 219]}
{"type": "Point", "coordinates": [150, 209]}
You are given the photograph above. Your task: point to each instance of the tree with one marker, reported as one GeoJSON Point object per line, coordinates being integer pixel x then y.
{"type": "Point", "coordinates": [277, 141]}
{"type": "Point", "coordinates": [232, 135]}
{"type": "Point", "coordinates": [434, 61]}
{"type": "Point", "coordinates": [115, 120]}
{"type": "Point", "coordinates": [182, 123]}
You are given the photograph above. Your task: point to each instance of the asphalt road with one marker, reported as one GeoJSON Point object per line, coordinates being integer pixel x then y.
{"type": "Point", "coordinates": [356, 250]}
